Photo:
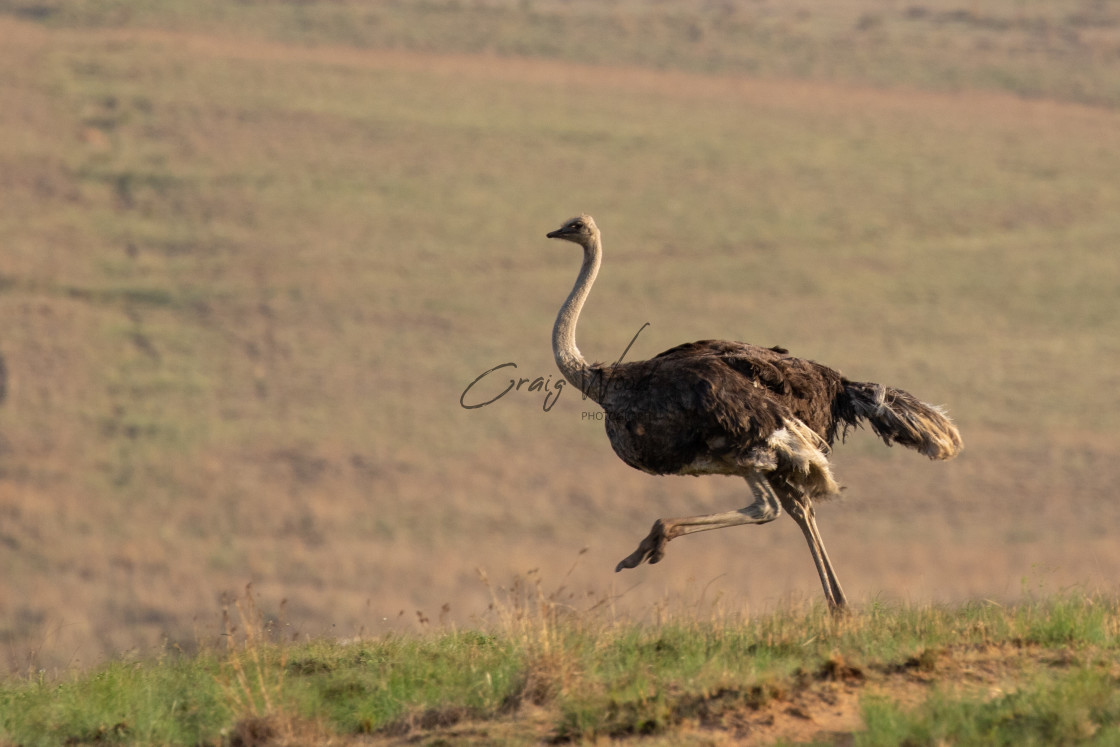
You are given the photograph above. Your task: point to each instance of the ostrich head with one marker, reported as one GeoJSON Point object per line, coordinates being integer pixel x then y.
{"type": "Point", "coordinates": [579, 229]}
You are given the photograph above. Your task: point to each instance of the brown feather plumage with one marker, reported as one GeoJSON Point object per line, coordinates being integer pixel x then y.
{"type": "Point", "coordinates": [712, 398]}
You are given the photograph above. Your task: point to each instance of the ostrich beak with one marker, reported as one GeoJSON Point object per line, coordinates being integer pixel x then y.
{"type": "Point", "coordinates": [563, 232]}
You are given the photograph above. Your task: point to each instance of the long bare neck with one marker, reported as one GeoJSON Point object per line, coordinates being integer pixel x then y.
{"type": "Point", "coordinates": [571, 362]}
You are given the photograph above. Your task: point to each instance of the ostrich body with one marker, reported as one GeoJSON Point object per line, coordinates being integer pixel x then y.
{"type": "Point", "coordinates": [728, 408]}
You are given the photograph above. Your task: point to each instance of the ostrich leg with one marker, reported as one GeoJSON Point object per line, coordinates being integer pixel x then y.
{"type": "Point", "coordinates": [800, 508]}
{"type": "Point", "coordinates": [766, 508]}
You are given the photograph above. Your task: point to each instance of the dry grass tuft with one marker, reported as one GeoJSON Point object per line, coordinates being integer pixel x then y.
{"type": "Point", "coordinates": [541, 624]}
{"type": "Point", "coordinates": [252, 676]}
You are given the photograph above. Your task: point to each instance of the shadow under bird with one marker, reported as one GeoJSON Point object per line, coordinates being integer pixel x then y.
{"type": "Point", "coordinates": [715, 407]}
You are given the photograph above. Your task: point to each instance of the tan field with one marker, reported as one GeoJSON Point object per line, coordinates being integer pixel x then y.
{"type": "Point", "coordinates": [247, 272]}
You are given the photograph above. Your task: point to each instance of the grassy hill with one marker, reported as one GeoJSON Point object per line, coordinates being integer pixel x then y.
{"type": "Point", "coordinates": [254, 252]}
{"type": "Point", "coordinates": [1043, 672]}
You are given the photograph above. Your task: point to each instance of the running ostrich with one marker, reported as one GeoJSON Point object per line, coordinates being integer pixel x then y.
{"type": "Point", "coordinates": [728, 408]}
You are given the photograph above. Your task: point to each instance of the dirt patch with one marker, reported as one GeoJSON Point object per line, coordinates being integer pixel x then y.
{"type": "Point", "coordinates": [818, 706]}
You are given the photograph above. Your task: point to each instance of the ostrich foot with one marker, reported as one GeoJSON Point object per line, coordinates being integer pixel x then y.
{"type": "Point", "coordinates": [652, 548]}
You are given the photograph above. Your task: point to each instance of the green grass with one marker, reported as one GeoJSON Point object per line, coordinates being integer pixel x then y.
{"type": "Point", "coordinates": [1068, 708]}
{"type": "Point", "coordinates": [1038, 673]}
{"type": "Point", "coordinates": [172, 700]}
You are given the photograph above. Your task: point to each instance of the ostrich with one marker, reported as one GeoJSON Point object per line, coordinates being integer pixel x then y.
{"type": "Point", "coordinates": [729, 408]}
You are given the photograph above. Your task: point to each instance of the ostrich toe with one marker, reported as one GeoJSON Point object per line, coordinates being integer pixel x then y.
{"type": "Point", "coordinates": [651, 549]}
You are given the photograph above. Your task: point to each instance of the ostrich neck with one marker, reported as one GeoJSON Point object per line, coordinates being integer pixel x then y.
{"type": "Point", "coordinates": [571, 362]}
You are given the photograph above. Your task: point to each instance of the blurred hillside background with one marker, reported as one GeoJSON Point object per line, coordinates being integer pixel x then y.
{"type": "Point", "coordinates": [252, 253]}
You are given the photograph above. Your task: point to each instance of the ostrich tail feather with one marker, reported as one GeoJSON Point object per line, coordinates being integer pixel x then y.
{"type": "Point", "coordinates": [900, 417]}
